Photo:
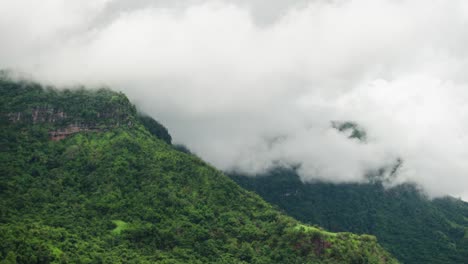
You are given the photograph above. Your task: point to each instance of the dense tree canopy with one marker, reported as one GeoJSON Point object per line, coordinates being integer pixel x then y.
{"type": "Point", "coordinates": [412, 227]}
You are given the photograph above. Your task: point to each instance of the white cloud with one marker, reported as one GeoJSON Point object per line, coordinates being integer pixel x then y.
{"type": "Point", "coordinates": [248, 84]}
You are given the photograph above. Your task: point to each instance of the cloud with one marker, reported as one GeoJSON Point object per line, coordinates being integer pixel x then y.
{"type": "Point", "coordinates": [252, 84]}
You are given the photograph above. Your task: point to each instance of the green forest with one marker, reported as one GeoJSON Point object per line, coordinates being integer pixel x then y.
{"type": "Point", "coordinates": [412, 227]}
{"type": "Point", "coordinates": [85, 178]}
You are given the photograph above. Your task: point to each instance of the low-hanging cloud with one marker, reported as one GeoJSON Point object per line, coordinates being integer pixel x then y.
{"type": "Point", "coordinates": [249, 85]}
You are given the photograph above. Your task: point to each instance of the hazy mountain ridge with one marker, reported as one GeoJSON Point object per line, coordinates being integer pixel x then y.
{"type": "Point", "coordinates": [408, 224]}
{"type": "Point", "coordinates": [120, 194]}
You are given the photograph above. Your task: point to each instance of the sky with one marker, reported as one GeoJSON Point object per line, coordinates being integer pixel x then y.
{"type": "Point", "coordinates": [250, 85]}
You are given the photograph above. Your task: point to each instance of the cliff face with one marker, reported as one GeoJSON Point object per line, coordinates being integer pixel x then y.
{"type": "Point", "coordinates": [62, 133]}
{"type": "Point", "coordinates": [50, 116]}
{"type": "Point", "coordinates": [62, 113]}
{"type": "Point", "coordinates": [66, 112]}
{"type": "Point", "coordinates": [38, 115]}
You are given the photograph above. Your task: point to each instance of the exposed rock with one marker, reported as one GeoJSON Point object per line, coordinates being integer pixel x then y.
{"type": "Point", "coordinates": [62, 133]}
{"type": "Point", "coordinates": [38, 115]}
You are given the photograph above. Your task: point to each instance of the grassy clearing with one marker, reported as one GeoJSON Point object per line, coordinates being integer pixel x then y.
{"type": "Point", "coordinates": [307, 229]}
{"type": "Point", "coordinates": [120, 226]}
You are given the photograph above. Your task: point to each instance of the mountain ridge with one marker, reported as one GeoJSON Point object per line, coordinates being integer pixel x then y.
{"type": "Point", "coordinates": [118, 192]}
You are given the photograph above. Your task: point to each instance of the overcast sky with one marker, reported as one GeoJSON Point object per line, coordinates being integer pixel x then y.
{"type": "Point", "coordinates": [248, 85]}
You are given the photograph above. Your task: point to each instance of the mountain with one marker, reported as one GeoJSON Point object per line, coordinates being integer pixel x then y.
{"type": "Point", "coordinates": [409, 225]}
{"type": "Point", "coordinates": [84, 178]}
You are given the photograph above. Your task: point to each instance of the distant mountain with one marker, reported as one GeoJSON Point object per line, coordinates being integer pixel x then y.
{"type": "Point", "coordinates": [413, 228]}
{"type": "Point", "coordinates": [85, 179]}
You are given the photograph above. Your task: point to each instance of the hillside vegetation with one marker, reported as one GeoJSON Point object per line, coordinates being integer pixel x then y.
{"type": "Point", "coordinates": [85, 179]}
{"type": "Point", "coordinates": [409, 225]}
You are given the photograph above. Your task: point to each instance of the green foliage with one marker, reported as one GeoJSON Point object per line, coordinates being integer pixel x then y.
{"type": "Point", "coordinates": [121, 195]}
{"type": "Point", "coordinates": [119, 227]}
{"type": "Point", "coordinates": [411, 227]}
{"type": "Point", "coordinates": [155, 128]}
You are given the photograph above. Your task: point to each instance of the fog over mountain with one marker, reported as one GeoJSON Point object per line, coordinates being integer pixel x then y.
{"type": "Point", "coordinates": [248, 85]}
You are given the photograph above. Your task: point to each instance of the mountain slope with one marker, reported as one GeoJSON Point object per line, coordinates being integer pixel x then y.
{"type": "Point", "coordinates": [82, 180]}
{"type": "Point", "coordinates": [413, 228]}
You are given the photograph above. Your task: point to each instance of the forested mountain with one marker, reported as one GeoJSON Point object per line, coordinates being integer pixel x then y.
{"type": "Point", "coordinates": [85, 179]}
{"type": "Point", "coordinates": [409, 225]}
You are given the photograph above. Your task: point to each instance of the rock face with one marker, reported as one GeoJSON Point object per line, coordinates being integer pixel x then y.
{"type": "Point", "coordinates": [62, 113]}
{"type": "Point", "coordinates": [38, 115]}
{"type": "Point", "coordinates": [67, 112]}
{"type": "Point", "coordinates": [62, 133]}
{"type": "Point", "coordinates": [44, 115]}
{"type": "Point", "coordinates": [47, 115]}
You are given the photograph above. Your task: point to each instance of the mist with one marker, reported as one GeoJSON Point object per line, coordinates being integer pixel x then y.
{"type": "Point", "coordinates": [250, 85]}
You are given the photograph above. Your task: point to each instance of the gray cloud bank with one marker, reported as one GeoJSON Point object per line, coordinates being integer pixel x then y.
{"type": "Point", "coordinates": [252, 84]}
